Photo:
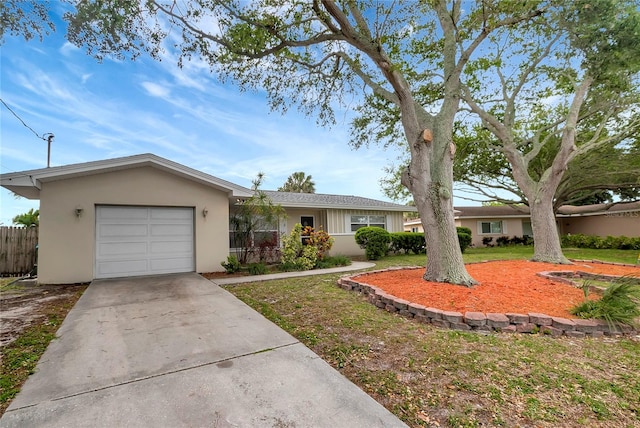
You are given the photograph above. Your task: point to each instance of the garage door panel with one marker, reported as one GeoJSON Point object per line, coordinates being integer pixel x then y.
{"type": "Point", "coordinates": [134, 241]}
{"type": "Point", "coordinates": [169, 230]}
{"type": "Point", "coordinates": [107, 249]}
{"type": "Point", "coordinates": [124, 213]}
{"type": "Point", "coordinates": [183, 248]}
{"type": "Point", "coordinates": [171, 265]}
{"type": "Point", "coordinates": [108, 269]}
{"type": "Point", "coordinates": [122, 230]}
{"type": "Point", "coordinates": [177, 214]}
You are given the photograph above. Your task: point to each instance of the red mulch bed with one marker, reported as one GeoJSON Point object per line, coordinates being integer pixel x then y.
{"type": "Point", "coordinates": [505, 286]}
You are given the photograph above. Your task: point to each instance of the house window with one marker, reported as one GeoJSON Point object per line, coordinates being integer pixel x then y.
{"type": "Point", "coordinates": [491, 227]}
{"type": "Point", "coordinates": [527, 230]}
{"type": "Point", "coordinates": [262, 233]}
{"type": "Point", "coordinates": [358, 221]}
{"type": "Point", "coordinates": [306, 221]}
{"type": "Point", "coordinates": [414, 229]}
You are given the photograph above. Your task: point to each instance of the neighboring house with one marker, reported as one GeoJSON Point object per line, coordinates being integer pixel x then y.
{"type": "Point", "coordinates": [143, 214]}
{"type": "Point", "coordinates": [621, 219]}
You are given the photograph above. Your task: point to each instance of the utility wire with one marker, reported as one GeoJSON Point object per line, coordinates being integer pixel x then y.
{"type": "Point", "coordinates": [42, 137]}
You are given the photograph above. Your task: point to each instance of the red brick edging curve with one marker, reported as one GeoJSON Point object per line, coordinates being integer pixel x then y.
{"type": "Point", "coordinates": [480, 321]}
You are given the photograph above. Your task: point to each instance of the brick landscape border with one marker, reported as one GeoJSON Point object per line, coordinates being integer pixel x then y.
{"type": "Point", "coordinates": [488, 322]}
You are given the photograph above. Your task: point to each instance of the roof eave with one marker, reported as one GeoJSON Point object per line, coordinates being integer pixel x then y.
{"type": "Point", "coordinates": [25, 183]}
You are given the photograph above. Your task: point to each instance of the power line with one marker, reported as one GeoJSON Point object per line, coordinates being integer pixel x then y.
{"type": "Point", "coordinates": [44, 137]}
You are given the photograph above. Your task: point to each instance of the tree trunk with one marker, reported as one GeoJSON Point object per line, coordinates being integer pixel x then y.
{"type": "Point", "coordinates": [430, 179]}
{"type": "Point", "coordinates": [546, 245]}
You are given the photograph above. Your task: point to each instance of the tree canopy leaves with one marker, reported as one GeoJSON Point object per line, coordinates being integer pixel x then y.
{"type": "Point", "coordinates": [298, 182]}
{"type": "Point", "coordinates": [28, 219]}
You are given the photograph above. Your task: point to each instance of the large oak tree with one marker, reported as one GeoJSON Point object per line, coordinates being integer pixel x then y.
{"type": "Point", "coordinates": [408, 58]}
{"type": "Point", "coordinates": [552, 96]}
{"type": "Point", "coordinates": [563, 88]}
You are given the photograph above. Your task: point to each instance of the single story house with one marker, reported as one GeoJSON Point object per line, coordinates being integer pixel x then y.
{"type": "Point", "coordinates": [622, 219]}
{"type": "Point", "coordinates": [143, 214]}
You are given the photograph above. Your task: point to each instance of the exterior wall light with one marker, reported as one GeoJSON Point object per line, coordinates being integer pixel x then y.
{"type": "Point", "coordinates": [79, 211]}
{"type": "Point", "coordinates": [205, 211]}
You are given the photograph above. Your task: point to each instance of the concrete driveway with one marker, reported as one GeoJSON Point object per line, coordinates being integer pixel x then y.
{"type": "Point", "coordinates": [178, 351]}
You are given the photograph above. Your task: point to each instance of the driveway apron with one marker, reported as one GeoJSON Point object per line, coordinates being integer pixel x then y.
{"type": "Point", "coordinates": [179, 351]}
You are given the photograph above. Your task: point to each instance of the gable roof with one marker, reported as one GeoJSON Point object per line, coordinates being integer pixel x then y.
{"type": "Point", "coordinates": [319, 200]}
{"type": "Point", "coordinates": [29, 183]}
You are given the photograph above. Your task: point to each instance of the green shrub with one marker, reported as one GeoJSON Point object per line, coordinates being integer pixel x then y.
{"type": "Point", "coordinates": [332, 261]}
{"type": "Point", "coordinates": [289, 267]}
{"type": "Point", "coordinates": [319, 239]}
{"type": "Point", "coordinates": [414, 242]}
{"type": "Point", "coordinates": [258, 269]}
{"type": "Point", "coordinates": [464, 239]}
{"type": "Point", "coordinates": [502, 241]}
{"type": "Point", "coordinates": [232, 264]}
{"type": "Point", "coordinates": [466, 230]}
{"type": "Point", "coordinates": [596, 242]}
{"type": "Point", "coordinates": [374, 240]}
{"type": "Point", "coordinates": [295, 254]}
{"type": "Point", "coordinates": [619, 303]}
{"type": "Point", "coordinates": [408, 242]}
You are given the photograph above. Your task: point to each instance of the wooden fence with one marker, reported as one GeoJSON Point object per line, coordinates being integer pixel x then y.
{"type": "Point", "coordinates": [17, 250]}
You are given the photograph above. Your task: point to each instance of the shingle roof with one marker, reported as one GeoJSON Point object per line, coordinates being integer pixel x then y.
{"type": "Point", "coordinates": [493, 211]}
{"type": "Point", "coordinates": [319, 200]}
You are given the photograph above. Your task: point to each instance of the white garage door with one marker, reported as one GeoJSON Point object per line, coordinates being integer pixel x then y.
{"type": "Point", "coordinates": [134, 241]}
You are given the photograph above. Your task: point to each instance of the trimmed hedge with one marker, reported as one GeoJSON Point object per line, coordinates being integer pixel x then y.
{"type": "Point", "coordinates": [597, 242]}
{"type": "Point", "coordinates": [414, 242]}
{"type": "Point", "coordinates": [408, 242]}
{"type": "Point", "coordinates": [374, 240]}
{"type": "Point", "coordinates": [464, 239]}
{"type": "Point", "coordinates": [503, 241]}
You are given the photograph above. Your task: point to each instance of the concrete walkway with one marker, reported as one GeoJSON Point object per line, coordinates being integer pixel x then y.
{"type": "Point", "coordinates": [282, 275]}
{"type": "Point", "coordinates": [179, 351]}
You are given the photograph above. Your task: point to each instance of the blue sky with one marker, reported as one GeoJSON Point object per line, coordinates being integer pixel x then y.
{"type": "Point", "coordinates": [120, 108]}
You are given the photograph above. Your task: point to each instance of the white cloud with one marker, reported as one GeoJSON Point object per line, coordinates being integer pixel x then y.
{"type": "Point", "coordinates": [156, 90]}
{"type": "Point", "coordinates": [68, 48]}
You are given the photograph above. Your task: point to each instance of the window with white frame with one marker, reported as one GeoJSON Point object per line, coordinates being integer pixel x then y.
{"type": "Point", "coordinates": [491, 227]}
{"type": "Point", "coordinates": [358, 221]}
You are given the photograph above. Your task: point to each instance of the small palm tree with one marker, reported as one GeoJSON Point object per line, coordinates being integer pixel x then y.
{"type": "Point", "coordinates": [28, 219]}
{"type": "Point", "coordinates": [298, 182]}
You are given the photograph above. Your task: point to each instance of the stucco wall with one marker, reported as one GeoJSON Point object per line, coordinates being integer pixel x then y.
{"type": "Point", "coordinates": [345, 245]}
{"type": "Point", "coordinates": [512, 227]}
{"type": "Point", "coordinates": [67, 243]}
{"type": "Point", "coordinates": [613, 224]}
{"type": "Point", "coordinates": [293, 216]}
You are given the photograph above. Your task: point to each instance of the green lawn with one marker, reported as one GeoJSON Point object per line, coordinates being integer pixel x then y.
{"type": "Point", "coordinates": [433, 377]}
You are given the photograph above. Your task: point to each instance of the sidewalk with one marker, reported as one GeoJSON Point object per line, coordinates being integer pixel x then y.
{"type": "Point", "coordinates": [283, 275]}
